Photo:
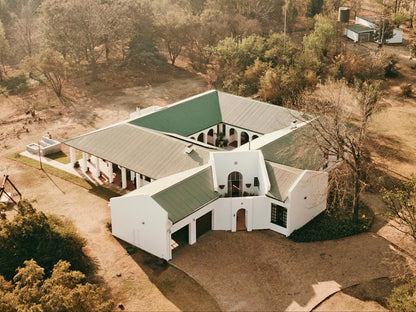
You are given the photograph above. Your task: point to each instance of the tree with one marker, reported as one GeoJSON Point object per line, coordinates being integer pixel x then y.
{"type": "Point", "coordinates": [76, 28]}
{"type": "Point", "coordinates": [33, 235]}
{"type": "Point", "coordinates": [401, 206]}
{"type": "Point", "coordinates": [50, 65]}
{"type": "Point", "coordinates": [25, 29]}
{"type": "Point", "coordinates": [323, 39]}
{"type": "Point", "coordinates": [339, 132]}
{"type": "Point", "coordinates": [64, 290]}
{"type": "Point", "coordinates": [174, 29]}
{"type": "Point", "coordinates": [4, 51]}
{"type": "Point", "coordinates": [314, 7]}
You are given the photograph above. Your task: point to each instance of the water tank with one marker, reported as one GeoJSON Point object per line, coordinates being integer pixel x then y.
{"type": "Point", "coordinates": [344, 15]}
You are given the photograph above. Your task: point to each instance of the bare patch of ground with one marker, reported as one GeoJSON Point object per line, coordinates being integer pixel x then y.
{"type": "Point", "coordinates": [263, 270]}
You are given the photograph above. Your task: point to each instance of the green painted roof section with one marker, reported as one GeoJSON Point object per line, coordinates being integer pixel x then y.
{"type": "Point", "coordinates": [185, 117]}
{"type": "Point", "coordinates": [187, 196]}
{"type": "Point", "coordinates": [296, 149]}
{"type": "Point", "coordinates": [358, 28]}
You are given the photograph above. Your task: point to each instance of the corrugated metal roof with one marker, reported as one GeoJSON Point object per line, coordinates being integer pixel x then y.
{"type": "Point", "coordinates": [185, 117]}
{"type": "Point", "coordinates": [144, 151]}
{"type": "Point", "coordinates": [281, 179]}
{"type": "Point", "coordinates": [254, 115]}
{"type": "Point", "coordinates": [358, 28]}
{"type": "Point", "coordinates": [188, 195]}
{"type": "Point", "coordinates": [295, 150]}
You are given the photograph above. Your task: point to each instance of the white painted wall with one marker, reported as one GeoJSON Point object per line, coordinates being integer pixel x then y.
{"type": "Point", "coordinates": [397, 36]}
{"type": "Point", "coordinates": [140, 221]}
{"type": "Point", "coordinates": [362, 21]}
{"type": "Point", "coordinates": [307, 199]}
{"type": "Point", "coordinates": [351, 35]}
{"type": "Point", "coordinates": [247, 163]}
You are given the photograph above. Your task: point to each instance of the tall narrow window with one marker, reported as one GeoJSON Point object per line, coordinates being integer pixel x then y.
{"type": "Point", "coordinates": [278, 215]}
{"type": "Point", "coordinates": [235, 184]}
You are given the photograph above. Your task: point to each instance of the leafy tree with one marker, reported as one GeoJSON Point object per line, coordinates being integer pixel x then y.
{"type": "Point", "coordinates": [174, 29]}
{"type": "Point", "coordinates": [323, 39]}
{"type": "Point", "coordinates": [33, 235]}
{"type": "Point", "coordinates": [142, 43]}
{"type": "Point", "coordinates": [76, 28]}
{"type": "Point", "coordinates": [314, 7]}
{"type": "Point", "coordinates": [64, 290]}
{"type": "Point", "coordinates": [401, 206]}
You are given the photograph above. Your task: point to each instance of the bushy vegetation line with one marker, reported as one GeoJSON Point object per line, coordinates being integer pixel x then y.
{"type": "Point", "coordinates": [328, 226]}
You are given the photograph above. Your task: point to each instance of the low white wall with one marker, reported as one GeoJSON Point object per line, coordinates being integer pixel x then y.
{"type": "Point", "coordinates": [140, 221]}
{"type": "Point", "coordinates": [306, 199]}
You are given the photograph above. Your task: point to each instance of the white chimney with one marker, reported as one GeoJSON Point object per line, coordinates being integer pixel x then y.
{"type": "Point", "coordinates": [293, 124]}
{"type": "Point", "coordinates": [189, 148]}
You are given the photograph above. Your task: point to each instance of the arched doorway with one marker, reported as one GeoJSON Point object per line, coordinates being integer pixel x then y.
{"type": "Point", "coordinates": [241, 220]}
{"type": "Point", "coordinates": [244, 138]}
{"type": "Point", "coordinates": [210, 137]}
{"type": "Point", "coordinates": [232, 138]}
{"type": "Point", "coordinates": [201, 137]}
{"type": "Point", "coordinates": [235, 184]}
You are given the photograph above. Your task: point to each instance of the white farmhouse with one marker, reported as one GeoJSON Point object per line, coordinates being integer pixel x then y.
{"type": "Point", "coordinates": [214, 161]}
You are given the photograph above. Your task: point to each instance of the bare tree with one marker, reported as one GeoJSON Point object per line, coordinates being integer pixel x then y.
{"type": "Point", "coordinates": [51, 66]}
{"type": "Point", "coordinates": [401, 206]}
{"type": "Point", "coordinates": [341, 128]}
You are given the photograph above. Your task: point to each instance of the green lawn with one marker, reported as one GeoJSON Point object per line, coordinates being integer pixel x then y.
{"type": "Point", "coordinates": [62, 157]}
{"type": "Point", "coordinates": [96, 189]}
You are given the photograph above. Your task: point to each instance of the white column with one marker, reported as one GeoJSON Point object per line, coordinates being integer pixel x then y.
{"type": "Point", "coordinates": [192, 232]}
{"type": "Point", "coordinates": [206, 137]}
{"type": "Point", "coordinates": [132, 175]}
{"type": "Point", "coordinates": [84, 162]}
{"type": "Point", "coordinates": [238, 138]}
{"type": "Point", "coordinates": [97, 167]}
{"type": "Point", "coordinates": [141, 180]}
{"type": "Point", "coordinates": [123, 178]}
{"type": "Point", "coordinates": [138, 180]}
{"type": "Point", "coordinates": [110, 172]}
{"type": "Point", "coordinates": [72, 156]}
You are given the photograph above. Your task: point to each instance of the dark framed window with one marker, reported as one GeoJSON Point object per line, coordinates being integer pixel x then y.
{"type": "Point", "coordinates": [278, 215]}
{"type": "Point", "coordinates": [235, 184]}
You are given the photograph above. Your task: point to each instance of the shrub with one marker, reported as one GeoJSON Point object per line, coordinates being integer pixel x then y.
{"type": "Point", "coordinates": [403, 298]}
{"type": "Point", "coordinates": [14, 84]}
{"type": "Point", "coordinates": [327, 227]}
{"type": "Point", "coordinates": [406, 89]}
